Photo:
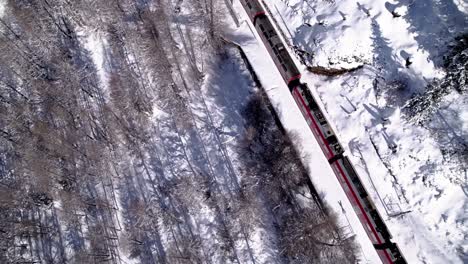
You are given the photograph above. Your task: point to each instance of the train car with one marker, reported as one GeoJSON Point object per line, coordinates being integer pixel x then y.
{"type": "Point", "coordinates": [374, 224]}
{"type": "Point", "coordinates": [317, 122]}
{"type": "Point", "coordinates": [273, 43]}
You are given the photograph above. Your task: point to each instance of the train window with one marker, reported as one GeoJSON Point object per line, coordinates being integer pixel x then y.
{"type": "Point", "coordinates": [353, 176]}
{"type": "Point", "coordinates": [312, 104]}
{"type": "Point", "coordinates": [262, 28]}
{"type": "Point", "coordinates": [320, 117]}
{"type": "Point", "coordinates": [338, 148]}
{"type": "Point", "coordinates": [332, 139]}
{"type": "Point", "coordinates": [367, 204]}
{"type": "Point", "coordinates": [361, 191]}
{"type": "Point", "coordinates": [249, 5]}
{"type": "Point", "coordinates": [284, 67]}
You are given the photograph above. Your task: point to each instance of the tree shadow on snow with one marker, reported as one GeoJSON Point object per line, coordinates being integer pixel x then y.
{"type": "Point", "coordinates": [230, 87]}
{"type": "Point", "coordinates": [393, 79]}
{"type": "Point", "coordinates": [434, 24]}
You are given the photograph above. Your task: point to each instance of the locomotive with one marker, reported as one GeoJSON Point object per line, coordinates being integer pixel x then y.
{"type": "Point", "coordinates": [358, 196]}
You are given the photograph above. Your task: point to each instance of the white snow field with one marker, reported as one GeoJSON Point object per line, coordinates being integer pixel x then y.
{"type": "Point", "coordinates": [419, 189]}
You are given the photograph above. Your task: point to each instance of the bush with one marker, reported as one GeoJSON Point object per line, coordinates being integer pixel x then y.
{"type": "Point", "coordinates": [421, 106]}
{"type": "Point", "coordinates": [456, 65]}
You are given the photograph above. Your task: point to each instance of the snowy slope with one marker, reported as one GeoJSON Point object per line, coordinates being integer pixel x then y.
{"type": "Point", "coordinates": [404, 166]}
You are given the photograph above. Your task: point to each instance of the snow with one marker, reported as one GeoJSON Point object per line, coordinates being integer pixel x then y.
{"type": "Point", "coordinates": [462, 6]}
{"type": "Point", "coordinates": [2, 8]}
{"type": "Point", "coordinates": [428, 185]}
{"type": "Point", "coordinates": [95, 43]}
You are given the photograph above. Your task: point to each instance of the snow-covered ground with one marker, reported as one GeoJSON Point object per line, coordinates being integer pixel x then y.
{"type": "Point", "coordinates": [419, 190]}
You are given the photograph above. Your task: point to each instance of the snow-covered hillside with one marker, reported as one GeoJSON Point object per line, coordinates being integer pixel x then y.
{"type": "Point", "coordinates": [416, 171]}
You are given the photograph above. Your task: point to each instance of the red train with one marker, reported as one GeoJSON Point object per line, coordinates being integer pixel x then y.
{"type": "Point", "coordinates": [320, 127]}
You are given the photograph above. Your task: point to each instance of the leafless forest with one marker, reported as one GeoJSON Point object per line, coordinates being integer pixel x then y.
{"type": "Point", "coordinates": [171, 156]}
